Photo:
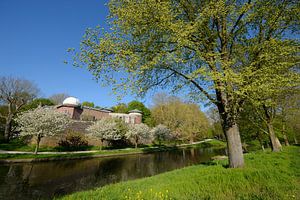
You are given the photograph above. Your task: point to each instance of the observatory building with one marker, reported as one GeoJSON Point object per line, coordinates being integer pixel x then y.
{"type": "Point", "coordinates": [72, 107]}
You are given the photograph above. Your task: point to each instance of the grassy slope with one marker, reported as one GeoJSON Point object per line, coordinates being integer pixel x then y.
{"type": "Point", "coordinates": [266, 176]}
{"type": "Point", "coordinates": [17, 147]}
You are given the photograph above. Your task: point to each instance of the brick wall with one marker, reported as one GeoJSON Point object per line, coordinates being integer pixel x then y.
{"type": "Point", "coordinates": [93, 114]}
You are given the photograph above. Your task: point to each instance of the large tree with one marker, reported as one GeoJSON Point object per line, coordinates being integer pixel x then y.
{"type": "Point", "coordinates": [14, 94]}
{"type": "Point", "coordinates": [220, 49]}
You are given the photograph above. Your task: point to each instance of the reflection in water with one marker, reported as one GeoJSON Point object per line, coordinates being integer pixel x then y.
{"type": "Point", "coordinates": [48, 179]}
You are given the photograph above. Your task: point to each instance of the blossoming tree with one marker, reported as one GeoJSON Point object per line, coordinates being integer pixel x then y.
{"type": "Point", "coordinates": [41, 122]}
{"type": "Point", "coordinates": [137, 133]}
{"type": "Point", "coordinates": [107, 129]}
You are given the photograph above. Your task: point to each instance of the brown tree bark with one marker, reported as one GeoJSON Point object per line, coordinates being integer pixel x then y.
{"type": "Point", "coordinates": [136, 142]}
{"type": "Point", "coordinates": [276, 146]}
{"type": "Point", "coordinates": [234, 145]}
{"type": "Point", "coordinates": [38, 139]}
{"type": "Point", "coordinates": [228, 116]}
{"type": "Point", "coordinates": [232, 134]}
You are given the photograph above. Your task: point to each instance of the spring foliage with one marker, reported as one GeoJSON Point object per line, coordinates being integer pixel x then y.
{"type": "Point", "coordinates": [225, 51]}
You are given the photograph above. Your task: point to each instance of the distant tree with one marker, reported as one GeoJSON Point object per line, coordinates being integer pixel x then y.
{"type": "Point", "coordinates": [252, 126]}
{"type": "Point", "coordinates": [146, 117]}
{"type": "Point", "coordinates": [108, 129]}
{"type": "Point", "coordinates": [138, 133]}
{"type": "Point", "coordinates": [36, 103]}
{"type": "Point", "coordinates": [161, 133]}
{"type": "Point", "coordinates": [289, 115]}
{"type": "Point", "coordinates": [215, 123]}
{"type": "Point", "coordinates": [120, 108]}
{"type": "Point", "coordinates": [184, 119]}
{"type": "Point", "coordinates": [58, 98]}
{"type": "Point", "coordinates": [88, 104]}
{"type": "Point", "coordinates": [14, 94]}
{"type": "Point", "coordinates": [41, 122]}
{"type": "Point", "coordinates": [193, 123]}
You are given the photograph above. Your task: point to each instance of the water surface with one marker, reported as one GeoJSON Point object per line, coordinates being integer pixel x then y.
{"type": "Point", "coordinates": [48, 179]}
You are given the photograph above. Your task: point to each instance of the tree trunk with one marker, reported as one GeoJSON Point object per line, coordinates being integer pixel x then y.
{"type": "Point", "coordinates": [231, 132]}
{"type": "Point", "coordinates": [295, 139]}
{"type": "Point", "coordinates": [191, 140]}
{"type": "Point", "coordinates": [234, 146]}
{"type": "Point", "coordinates": [260, 141]}
{"type": "Point", "coordinates": [8, 122]}
{"type": "Point", "coordinates": [286, 141]}
{"type": "Point", "coordinates": [276, 146]}
{"type": "Point", "coordinates": [7, 130]}
{"type": "Point", "coordinates": [136, 143]}
{"type": "Point", "coordinates": [38, 139]}
{"type": "Point", "coordinates": [102, 141]}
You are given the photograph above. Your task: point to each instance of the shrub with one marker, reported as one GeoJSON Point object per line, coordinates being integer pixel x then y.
{"type": "Point", "coordinates": [74, 141]}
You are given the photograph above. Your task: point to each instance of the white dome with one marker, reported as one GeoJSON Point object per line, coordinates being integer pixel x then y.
{"type": "Point", "coordinates": [71, 101]}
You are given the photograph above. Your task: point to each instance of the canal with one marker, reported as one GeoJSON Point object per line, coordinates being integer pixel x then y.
{"type": "Point", "coordinates": [48, 179]}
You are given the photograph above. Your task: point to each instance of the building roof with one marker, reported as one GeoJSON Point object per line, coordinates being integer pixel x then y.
{"type": "Point", "coordinates": [98, 109]}
{"type": "Point", "coordinates": [71, 101]}
{"type": "Point", "coordinates": [135, 111]}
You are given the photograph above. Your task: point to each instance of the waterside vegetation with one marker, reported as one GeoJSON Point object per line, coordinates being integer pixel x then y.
{"type": "Point", "coordinates": [266, 175]}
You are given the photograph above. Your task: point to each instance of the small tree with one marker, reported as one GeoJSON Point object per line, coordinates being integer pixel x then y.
{"type": "Point", "coordinates": [107, 129]}
{"type": "Point", "coordinates": [41, 122]}
{"type": "Point", "coordinates": [161, 133]}
{"type": "Point", "coordinates": [138, 132]}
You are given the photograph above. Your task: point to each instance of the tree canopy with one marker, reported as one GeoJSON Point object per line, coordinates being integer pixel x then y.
{"type": "Point", "coordinates": [89, 104]}
{"type": "Point", "coordinates": [185, 120]}
{"type": "Point", "coordinates": [225, 51]}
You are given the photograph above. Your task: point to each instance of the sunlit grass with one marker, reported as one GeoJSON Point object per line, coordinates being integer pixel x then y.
{"type": "Point", "coordinates": [266, 175]}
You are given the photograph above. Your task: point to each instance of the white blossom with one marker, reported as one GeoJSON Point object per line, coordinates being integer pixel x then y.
{"type": "Point", "coordinates": [161, 133]}
{"type": "Point", "coordinates": [41, 122]}
{"type": "Point", "coordinates": [107, 129]}
{"type": "Point", "coordinates": [138, 133]}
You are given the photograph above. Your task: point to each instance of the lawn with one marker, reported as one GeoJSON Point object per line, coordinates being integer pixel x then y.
{"type": "Point", "coordinates": [18, 146]}
{"type": "Point", "coordinates": [267, 175]}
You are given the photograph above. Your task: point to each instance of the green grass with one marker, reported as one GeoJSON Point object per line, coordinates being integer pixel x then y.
{"type": "Point", "coordinates": [18, 146]}
{"type": "Point", "coordinates": [266, 175]}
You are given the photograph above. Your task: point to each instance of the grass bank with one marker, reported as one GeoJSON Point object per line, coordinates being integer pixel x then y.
{"type": "Point", "coordinates": [266, 175]}
{"type": "Point", "coordinates": [99, 153]}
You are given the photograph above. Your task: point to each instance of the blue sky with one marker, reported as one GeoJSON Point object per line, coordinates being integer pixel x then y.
{"type": "Point", "coordinates": [34, 37]}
